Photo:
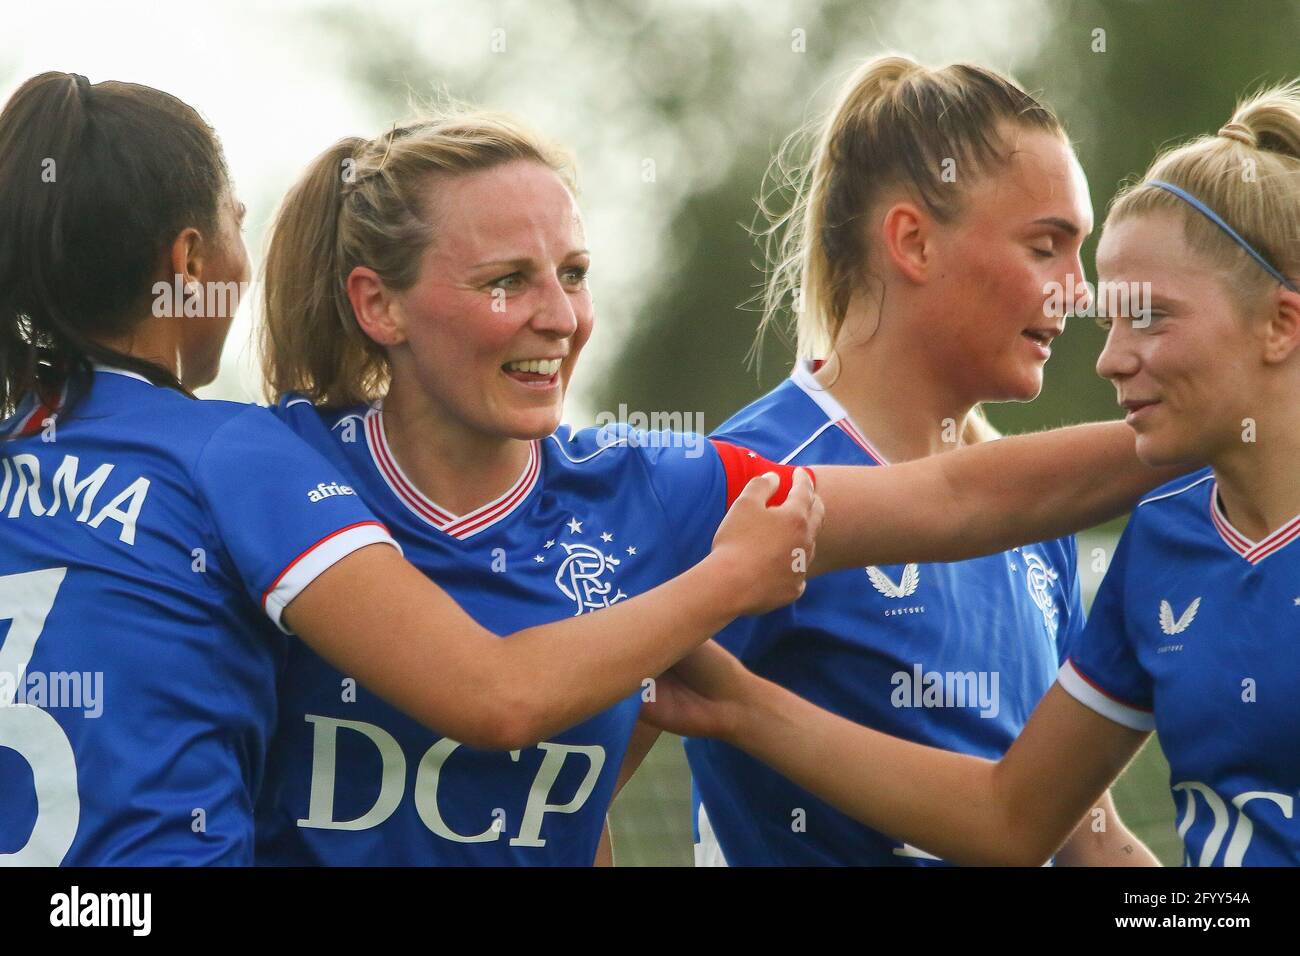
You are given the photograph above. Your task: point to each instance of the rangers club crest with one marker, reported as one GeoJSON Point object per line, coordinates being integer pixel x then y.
{"type": "Point", "coordinates": [580, 577]}
{"type": "Point", "coordinates": [1040, 578]}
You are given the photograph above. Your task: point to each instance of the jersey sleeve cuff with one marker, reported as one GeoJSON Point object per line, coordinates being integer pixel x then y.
{"type": "Point", "coordinates": [1077, 685]}
{"type": "Point", "coordinates": [318, 559]}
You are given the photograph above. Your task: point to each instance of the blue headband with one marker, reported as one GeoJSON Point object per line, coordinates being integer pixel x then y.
{"type": "Point", "coordinates": [1215, 218]}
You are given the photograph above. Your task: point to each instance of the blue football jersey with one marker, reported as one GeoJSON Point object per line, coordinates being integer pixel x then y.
{"type": "Point", "coordinates": [595, 517]}
{"type": "Point", "coordinates": [147, 539]}
{"type": "Point", "coordinates": [1195, 633]}
{"type": "Point", "coordinates": [949, 655]}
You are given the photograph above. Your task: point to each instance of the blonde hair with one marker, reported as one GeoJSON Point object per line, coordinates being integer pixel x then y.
{"type": "Point", "coordinates": [1249, 174]}
{"type": "Point", "coordinates": [367, 202]}
{"type": "Point", "coordinates": [895, 122]}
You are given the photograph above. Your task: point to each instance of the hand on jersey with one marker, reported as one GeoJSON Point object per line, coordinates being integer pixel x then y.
{"type": "Point", "coordinates": [769, 549]}
{"type": "Point", "coordinates": [701, 696]}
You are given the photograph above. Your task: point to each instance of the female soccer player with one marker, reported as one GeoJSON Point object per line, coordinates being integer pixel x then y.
{"type": "Point", "coordinates": [146, 537]}
{"type": "Point", "coordinates": [426, 304]}
{"type": "Point", "coordinates": [1193, 633]}
{"type": "Point", "coordinates": [925, 294]}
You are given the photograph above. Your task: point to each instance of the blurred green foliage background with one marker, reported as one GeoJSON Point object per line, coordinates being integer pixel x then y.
{"type": "Point", "coordinates": [708, 90]}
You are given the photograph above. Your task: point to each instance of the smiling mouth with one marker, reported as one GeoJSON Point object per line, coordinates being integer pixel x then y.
{"type": "Point", "coordinates": [540, 374]}
{"type": "Point", "coordinates": [543, 368]}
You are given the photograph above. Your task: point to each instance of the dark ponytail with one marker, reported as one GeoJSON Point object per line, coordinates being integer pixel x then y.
{"type": "Point", "coordinates": [96, 182]}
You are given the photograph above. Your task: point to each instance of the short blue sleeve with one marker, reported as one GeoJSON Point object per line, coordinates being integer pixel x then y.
{"type": "Point", "coordinates": [281, 510]}
{"type": "Point", "coordinates": [687, 477]}
{"type": "Point", "coordinates": [1103, 671]}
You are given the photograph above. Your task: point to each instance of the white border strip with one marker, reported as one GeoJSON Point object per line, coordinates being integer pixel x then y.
{"type": "Point", "coordinates": [1074, 684]}
{"type": "Point", "coordinates": [708, 852]}
{"type": "Point", "coordinates": [317, 560]}
{"type": "Point", "coordinates": [99, 367]}
{"type": "Point", "coordinates": [806, 442]}
{"type": "Point", "coordinates": [1177, 491]}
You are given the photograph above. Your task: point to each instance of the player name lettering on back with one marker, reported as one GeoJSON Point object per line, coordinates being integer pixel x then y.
{"type": "Point", "coordinates": [22, 492]}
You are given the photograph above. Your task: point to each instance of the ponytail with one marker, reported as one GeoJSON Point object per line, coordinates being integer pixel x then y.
{"type": "Point", "coordinates": [310, 334]}
{"type": "Point", "coordinates": [95, 183]}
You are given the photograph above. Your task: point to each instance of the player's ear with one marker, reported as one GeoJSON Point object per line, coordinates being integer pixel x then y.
{"type": "Point", "coordinates": [377, 312]}
{"type": "Point", "coordinates": [1282, 337]}
{"type": "Point", "coordinates": [185, 258]}
{"type": "Point", "coordinates": [905, 232]}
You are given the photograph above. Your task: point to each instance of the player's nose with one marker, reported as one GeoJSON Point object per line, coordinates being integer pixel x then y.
{"type": "Point", "coordinates": [1118, 358]}
{"type": "Point", "coordinates": [555, 314]}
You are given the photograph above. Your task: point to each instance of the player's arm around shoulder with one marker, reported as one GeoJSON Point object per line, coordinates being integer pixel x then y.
{"type": "Point", "coordinates": [1017, 811]}
{"type": "Point", "coordinates": [981, 499]}
{"type": "Point", "coordinates": [375, 617]}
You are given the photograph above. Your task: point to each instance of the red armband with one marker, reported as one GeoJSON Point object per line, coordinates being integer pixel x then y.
{"type": "Point", "coordinates": [741, 464]}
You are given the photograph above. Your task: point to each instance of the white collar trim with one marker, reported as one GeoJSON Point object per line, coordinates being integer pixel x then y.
{"type": "Point", "coordinates": [101, 367]}
{"type": "Point", "coordinates": [1252, 551]}
{"type": "Point", "coordinates": [429, 511]}
{"type": "Point", "coordinates": [802, 376]}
